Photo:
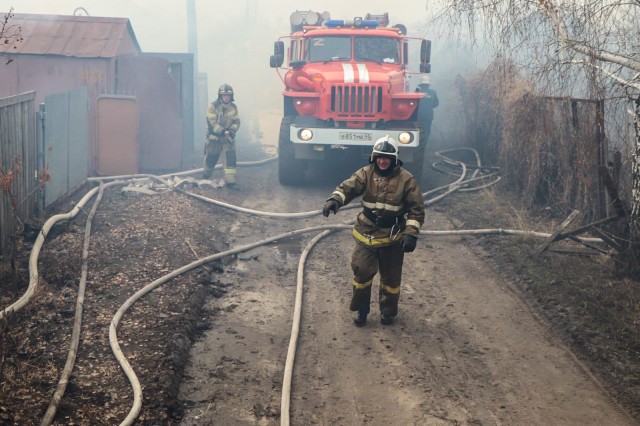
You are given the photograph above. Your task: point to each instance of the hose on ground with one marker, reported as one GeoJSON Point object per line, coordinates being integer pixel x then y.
{"type": "Point", "coordinates": [113, 333]}
{"type": "Point", "coordinates": [297, 308]}
{"type": "Point", "coordinates": [35, 252]}
{"type": "Point", "coordinates": [295, 331]}
{"type": "Point", "coordinates": [184, 173]}
{"type": "Point", "coordinates": [262, 213]}
{"type": "Point", "coordinates": [77, 322]}
{"type": "Point", "coordinates": [459, 184]}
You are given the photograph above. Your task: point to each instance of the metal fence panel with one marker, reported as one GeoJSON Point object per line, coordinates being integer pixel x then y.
{"type": "Point", "coordinates": [56, 146]}
{"type": "Point", "coordinates": [65, 142]}
{"type": "Point", "coordinates": [78, 137]}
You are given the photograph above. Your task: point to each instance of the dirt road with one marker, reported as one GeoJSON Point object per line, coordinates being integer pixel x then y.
{"type": "Point", "coordinates": [465, 348]}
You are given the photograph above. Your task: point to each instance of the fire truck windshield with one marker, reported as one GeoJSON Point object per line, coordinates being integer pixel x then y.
{"type": "Point", "coordinates": [377, 49]}
{"type": "Point", "coordinates": [338, 48]}
{"type": "Point", "coordinates": [324, 49]}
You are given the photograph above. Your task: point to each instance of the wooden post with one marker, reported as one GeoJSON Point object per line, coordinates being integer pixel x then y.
{"type": "Point", "coordinates": [554, 236]}
{"type": "Point", "coordinates": [621, 211]}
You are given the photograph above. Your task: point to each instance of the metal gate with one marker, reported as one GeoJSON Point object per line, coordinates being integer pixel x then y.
{"type": "Point", "coordinates": [117, 126]}
{"type": "Point", "coordinates": [65, 144]}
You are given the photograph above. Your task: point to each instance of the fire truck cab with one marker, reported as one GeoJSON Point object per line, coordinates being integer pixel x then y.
{"type": "Point", "coordinates": [346, 85]}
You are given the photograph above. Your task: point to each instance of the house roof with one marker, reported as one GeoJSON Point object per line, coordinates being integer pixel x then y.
{"type": "Point", "coordinates": [78, 36]}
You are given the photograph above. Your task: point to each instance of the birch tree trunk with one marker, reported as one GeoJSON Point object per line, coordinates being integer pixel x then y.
{"type": "Point", "coordinates": [601, 35]}
{"type": "Point", "coordinates": [634, 219]}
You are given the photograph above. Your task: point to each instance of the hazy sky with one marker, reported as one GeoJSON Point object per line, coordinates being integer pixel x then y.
{"type": "Point", "coordinates": [230, 51]}
{"type": "Point", "coordinates": [160, 24]}
{"type": "Point", "coordinates": [225, 47]}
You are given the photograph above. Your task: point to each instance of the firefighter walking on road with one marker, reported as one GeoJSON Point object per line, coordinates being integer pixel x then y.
{"type": "Point", "coordinates": [223, 123]}
{"type": "Point", "coordinates": [386, 229]}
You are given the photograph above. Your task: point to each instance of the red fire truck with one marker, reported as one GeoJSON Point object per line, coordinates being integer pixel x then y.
{"type": "Point", "coordinates": [346, 85]}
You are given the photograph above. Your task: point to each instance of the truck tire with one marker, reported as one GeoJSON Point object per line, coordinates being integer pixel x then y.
{"type": "Point", "coordinates": [417, 165]}
{"type": "Point", "coordinates": [290, 170]}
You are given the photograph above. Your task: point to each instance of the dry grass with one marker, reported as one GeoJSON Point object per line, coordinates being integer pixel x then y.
{"type": "Point", "coordinates": [547, 148]}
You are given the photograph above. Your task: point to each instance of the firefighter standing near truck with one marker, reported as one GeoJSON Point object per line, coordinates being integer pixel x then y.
{"type": "Point", "coordinates": [223, 123]}
{"type": "Point", "coordinates": [427, 105]}
{"type": "Point", "coordinates": [386, 229]}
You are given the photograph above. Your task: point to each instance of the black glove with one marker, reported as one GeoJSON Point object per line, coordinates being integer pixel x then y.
{"type": "Point", "coordinates": [409, 243]}
{"type": "Point", "coordinates": [331, 206]}
{"type": "Point", "coordinates": [232, 133]}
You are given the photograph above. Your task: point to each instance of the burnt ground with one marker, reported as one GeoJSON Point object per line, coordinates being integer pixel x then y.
{"type": "Point", "coordinates": [186, 337]}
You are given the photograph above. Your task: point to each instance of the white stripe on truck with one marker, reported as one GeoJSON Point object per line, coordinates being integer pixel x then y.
{"type": "Point", "coordinates": [349, 75]}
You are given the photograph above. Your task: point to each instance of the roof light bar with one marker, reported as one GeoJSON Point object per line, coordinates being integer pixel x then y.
{"type": "Point", "coordinates": [356, 22]}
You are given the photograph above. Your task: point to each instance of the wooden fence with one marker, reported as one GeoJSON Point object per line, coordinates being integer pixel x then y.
{"type": "Point", "coordinates": [17, 144]}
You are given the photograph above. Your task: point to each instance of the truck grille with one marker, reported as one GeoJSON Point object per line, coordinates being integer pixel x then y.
{"type": "Point", "coordinates": [356, 101]}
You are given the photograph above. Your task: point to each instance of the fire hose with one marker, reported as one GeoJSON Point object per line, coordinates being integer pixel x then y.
{"type": "Point", "coordinates": [459, 185]}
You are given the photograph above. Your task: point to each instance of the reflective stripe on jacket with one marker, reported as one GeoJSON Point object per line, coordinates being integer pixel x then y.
{"type": "Point", "coordinates": [388, 196]}
{"type": "Point", "coordinates": [222, 117]}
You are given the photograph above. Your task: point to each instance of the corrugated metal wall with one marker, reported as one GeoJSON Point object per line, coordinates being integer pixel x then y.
{"type": "Point", "coordinates": [66, 144]}
{"type": "Point", "coordinates": [160, 134]}
{"type": "Point", "coordinates": [17, 141]}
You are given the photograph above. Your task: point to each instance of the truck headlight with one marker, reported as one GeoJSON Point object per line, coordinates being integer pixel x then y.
{"type": "Point", "coordinates": [405, 138]}
{"type": "Point", "coordinates": [305, 135]}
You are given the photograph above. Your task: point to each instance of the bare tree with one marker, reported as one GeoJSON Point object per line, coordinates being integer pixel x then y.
{"type": "Point", "coordinates": [10, 35]}
{"type": "Point", "coordinates": [589, 45]}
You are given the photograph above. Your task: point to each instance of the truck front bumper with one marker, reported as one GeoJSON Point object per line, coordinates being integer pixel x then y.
{"type": "Point", "coordinates": [351, 137]}
{"type": "Point", "coordinates": [313, 143]}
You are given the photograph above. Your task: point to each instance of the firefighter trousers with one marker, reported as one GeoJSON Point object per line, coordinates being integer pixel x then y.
{"type": "Point", "coordinates": [213, 150]}
{"type": "Point", "coordinates": [366, 262]}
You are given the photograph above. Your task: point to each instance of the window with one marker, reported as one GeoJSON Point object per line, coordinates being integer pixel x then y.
{"type": "Point", "coordinates": [324, 49]}
{"type": "Point", "coordinates": [377, 49]}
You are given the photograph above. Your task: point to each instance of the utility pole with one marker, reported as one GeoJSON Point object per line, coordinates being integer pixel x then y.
{"type": "Point", "coordinates": [200, 90]}
{"type": "Point", "coordinates": [192, 33]}
{"type": "Point", "coordinates": [252, 12]}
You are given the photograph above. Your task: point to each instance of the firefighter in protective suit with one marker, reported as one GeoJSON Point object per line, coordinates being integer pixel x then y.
{"type": "Point", "coordinates": [386, 229]}
{"type": "Point", "coordinates": [223, 123]}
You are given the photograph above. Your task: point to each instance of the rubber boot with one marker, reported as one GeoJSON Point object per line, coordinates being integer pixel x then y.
{"type": "Point", "coordinates": [360, 319]}
{"type": "Point", "coordinates": [386, 319]}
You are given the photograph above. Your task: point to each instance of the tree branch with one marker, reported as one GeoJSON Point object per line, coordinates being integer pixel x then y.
{"type": "Point", "coordinates": [552, 12]}
{"type": "Point", "coordinates": [624, 82]}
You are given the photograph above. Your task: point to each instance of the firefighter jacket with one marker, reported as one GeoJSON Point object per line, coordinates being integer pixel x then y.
{"type": "Point", "coordinates": [392, 205]}
{"type": "Point", "coordinates": [221, 117]}
{"type": "Point", "coordinates": [427, 104]}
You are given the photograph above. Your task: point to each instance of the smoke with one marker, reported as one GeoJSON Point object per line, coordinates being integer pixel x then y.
{"type": "Point", "coordinates": [235, 40]}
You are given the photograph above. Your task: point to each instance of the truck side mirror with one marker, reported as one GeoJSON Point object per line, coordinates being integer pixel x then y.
{"type": "Point", "coordinates": [278, 54]}
{"type": "Point", "coordinates": [425, 52]}
{"type": "Point", "coordinates": [425, 68]}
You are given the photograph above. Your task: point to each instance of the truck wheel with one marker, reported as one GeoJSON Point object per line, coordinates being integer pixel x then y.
{"type": "Point", "coordinates": [290, 170]}
{"type": "Point", "coordinates": [416, 166]}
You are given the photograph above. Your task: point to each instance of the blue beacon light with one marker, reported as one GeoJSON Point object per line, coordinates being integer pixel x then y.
{"type": "Point", "coordinates": [359, 23]}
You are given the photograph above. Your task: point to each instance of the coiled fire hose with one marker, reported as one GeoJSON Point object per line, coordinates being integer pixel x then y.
{"type": "Point", "coordinates": [459, 184]}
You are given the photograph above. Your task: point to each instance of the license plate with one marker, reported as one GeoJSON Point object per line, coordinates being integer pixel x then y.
{"type": "Point", "coordinates": [355, 136]}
